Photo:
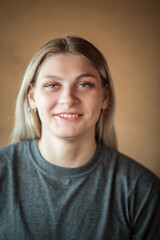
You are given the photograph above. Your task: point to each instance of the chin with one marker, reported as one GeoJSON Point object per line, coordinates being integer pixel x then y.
{"type": "Point", "coordinates": [67, 135]}
{"type": "Point", "coordinates": [68, 138]}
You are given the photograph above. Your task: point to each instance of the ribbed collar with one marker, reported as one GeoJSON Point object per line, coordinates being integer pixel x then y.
{"type": "Point", "coordinates": [54, 171]}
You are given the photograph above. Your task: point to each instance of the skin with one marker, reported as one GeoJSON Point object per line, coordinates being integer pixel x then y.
{"type": "Point", "coordinates": [69, 97]}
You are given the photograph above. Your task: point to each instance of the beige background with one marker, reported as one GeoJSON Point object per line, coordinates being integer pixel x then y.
{"type": "Point", "coordinates": [127, 32]}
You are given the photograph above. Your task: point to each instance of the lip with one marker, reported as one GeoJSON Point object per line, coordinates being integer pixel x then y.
{"type": "Point", "coordinates": [68, 116]}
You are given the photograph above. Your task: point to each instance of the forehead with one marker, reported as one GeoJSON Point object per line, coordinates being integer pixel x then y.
{"type": "Point", "coordinates": [65, 64]}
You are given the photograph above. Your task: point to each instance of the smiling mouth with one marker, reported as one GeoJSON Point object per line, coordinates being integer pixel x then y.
{"type": "Point", "coordinates": [68, 116]}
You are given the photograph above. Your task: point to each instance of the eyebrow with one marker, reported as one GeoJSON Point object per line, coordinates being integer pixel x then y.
{"type": "Point", "coordinates": [83, 75]}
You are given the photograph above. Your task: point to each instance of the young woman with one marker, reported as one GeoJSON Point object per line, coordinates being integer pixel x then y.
{"type": "Point", "coordinates": [62, 177]}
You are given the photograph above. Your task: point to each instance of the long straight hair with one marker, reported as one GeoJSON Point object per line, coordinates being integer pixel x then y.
{"type": "Point", "coordinates": [27, 124]}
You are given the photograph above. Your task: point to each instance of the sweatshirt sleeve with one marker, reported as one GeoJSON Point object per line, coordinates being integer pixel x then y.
{"type": "Point", "coordinates": [146, 208]}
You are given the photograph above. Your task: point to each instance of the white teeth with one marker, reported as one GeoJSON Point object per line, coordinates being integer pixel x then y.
{"type": "Point", "coordinates": [68, 115]}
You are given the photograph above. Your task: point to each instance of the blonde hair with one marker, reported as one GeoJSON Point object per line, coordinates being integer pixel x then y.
{"type": "Point", "coordinates": [27, 124]}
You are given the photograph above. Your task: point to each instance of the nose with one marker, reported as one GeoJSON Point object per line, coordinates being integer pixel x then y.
{"type": "Point", "coordinates": [68, 97]}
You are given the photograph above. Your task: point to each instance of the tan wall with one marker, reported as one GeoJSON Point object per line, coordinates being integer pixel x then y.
{"type": "Point", "coordinates": [127, 32]}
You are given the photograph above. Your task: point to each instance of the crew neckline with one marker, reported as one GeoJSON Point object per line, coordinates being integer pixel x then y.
{"type": "Point", "coordinates": [55, 171]}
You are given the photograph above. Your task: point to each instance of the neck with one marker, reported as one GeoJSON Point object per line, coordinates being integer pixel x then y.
{"type": "Point", "coordinates": [69, 153]}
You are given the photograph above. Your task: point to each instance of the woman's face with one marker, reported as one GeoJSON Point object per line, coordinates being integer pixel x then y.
{"type": "Point", "coordinates": [68, 96]}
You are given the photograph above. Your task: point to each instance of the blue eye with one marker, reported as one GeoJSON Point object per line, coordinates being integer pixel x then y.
{"type": "Point", "coordinates": [52, 85]}
{"type": "Point", "coordinates": [86, 85]}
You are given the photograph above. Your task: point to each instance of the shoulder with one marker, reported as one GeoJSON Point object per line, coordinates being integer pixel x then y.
{"type": "Point", "coordinates": [13, 152]}
{"type": "Point", "coordinates": [128, 172]}
{"type": "Point", "coordinates": [10, 149]}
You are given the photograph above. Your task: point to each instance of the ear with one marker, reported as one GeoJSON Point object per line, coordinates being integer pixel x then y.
{"type": "Point", "coordinates": [31, 99]}
{"type": "Point", "coordinates": [106, 96]}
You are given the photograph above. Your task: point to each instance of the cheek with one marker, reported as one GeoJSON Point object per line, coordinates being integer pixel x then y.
{"type": "Point", "coordinates": [44, 101]}
{"type": "Point", "coordinates": [95, 104]}
{"type": "Point", "coordinates": [44, 107]}
{"type": "Point", "coordinates": [96, 101]}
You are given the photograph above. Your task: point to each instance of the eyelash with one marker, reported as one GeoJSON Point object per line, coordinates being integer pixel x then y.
{"type": "Point", "coordinates": [88, 84]}
{"type": "Point", "coordinates": [56, 85]}
{"type": "Point", "coordinates": [52, 85]}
